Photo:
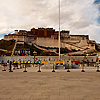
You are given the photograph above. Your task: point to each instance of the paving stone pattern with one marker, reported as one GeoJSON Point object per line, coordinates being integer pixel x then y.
{"type": "Point", "coordinates": [61, 85]}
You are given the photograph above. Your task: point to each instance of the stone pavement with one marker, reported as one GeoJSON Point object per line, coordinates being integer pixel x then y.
{"type": "Point", "coordinates": [61, 85]}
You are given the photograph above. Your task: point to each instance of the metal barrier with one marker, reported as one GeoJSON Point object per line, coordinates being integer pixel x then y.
{"type": "Point", "coordinates": [18, 65]}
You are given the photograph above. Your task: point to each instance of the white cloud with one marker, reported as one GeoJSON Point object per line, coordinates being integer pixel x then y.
{"type": "Point", "coordinates": [79, 16]}
{"type": "Point", "coordinates": [1, 38]}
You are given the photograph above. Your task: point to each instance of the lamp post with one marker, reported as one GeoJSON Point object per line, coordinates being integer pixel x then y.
{"type": "Point", "coordinates": [69, 64]}
{"type": "Point", "coordinates": [10, 66]}
{"type": "Point", "coordinates": [34, 53]}
{"type": "Point", "coordinates": [83, 66]}
{"type": "Point", "coordinates": [97, 65]}
{"type": "Point", "coordinates": [53, 68]}
{"type": "Point", "coordinates": [68, 68]}
{"type": "Point", "coordinates": [87, 60]}
{"type": "Point", "coordinates": [39, 68]}
{"type": "Point", "coordinates": [25, 69]}
{"type": "Point", "coordinates": [59, 32]}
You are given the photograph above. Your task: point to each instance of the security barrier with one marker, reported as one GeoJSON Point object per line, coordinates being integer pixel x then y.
{"type": "Point", "coordinates": [18, 64]}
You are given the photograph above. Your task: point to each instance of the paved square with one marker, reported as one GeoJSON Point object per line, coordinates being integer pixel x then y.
{"type": "Point", "coordinates": [46, 85]}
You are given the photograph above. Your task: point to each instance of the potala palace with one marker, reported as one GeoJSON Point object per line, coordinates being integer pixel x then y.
{"type": "Point", "coordinates": [48, 37]}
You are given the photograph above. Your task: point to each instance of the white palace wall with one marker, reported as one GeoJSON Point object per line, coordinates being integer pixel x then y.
{"type": "Point", "coordinates": [47, 42]}
{"type": "Point", "coordinates": [74, 42]}
{"type": "Point", "coordinates": [51, 42]}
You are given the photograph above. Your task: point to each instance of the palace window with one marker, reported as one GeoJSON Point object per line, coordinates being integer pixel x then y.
{"type": "Point", "coordinates": [92, 45]}
{"type": "Point", "coordinates": [6, 37]}
{"type": "Point", "coordinates": [82, 38]}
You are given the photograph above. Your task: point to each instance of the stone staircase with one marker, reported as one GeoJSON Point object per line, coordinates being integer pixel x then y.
{"type": "Point", "coordinates": [72, 44]}
{"type": "Point", "coordinates": [14, 49]}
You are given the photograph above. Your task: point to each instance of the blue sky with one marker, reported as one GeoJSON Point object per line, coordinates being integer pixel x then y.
{"type": "Point", "coordinates": [96, 2]}
{"type": "Point", "coordinates": [79, 16]}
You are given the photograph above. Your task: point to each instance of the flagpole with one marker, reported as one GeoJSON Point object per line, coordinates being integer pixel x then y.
{"type": "Point", "coordinates": [59, 30]}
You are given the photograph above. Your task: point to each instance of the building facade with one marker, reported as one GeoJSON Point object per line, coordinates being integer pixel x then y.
{"type": "Point", "coordinates": [48, 37]}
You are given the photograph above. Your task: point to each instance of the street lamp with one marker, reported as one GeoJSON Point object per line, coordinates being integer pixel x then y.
{"type": "Point", "coordinates": [69, 63]}
{"type": "Point", "coordinates": [59, 31]}
{"type": "Point", "coordinates": [83, 65]}
{"type": "Point", "coordinates": [53, 68]}
{"type": "Point", "coordinates": [34, 53]}
{"type": "Point", "coordinates": [10, 66]}
{"type": "Point", "coordinates": [39, 68]}
{"type": "Point", "coordinates": [25, 69]}
{"type": "Point", "coordinates": [97, 64]}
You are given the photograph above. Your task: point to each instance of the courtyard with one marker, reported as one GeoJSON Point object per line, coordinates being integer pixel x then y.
{"type": "Point", "coordinates": [46, 85]}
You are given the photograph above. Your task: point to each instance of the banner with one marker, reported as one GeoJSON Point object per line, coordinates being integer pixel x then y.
{"type": "Point", "coordinates": [28, 62]}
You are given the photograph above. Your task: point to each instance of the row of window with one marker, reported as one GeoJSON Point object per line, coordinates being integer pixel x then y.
{"type": "Point", "coordinates": [22, 51]}
{"type": "Point", "coordinates": [13, 36]}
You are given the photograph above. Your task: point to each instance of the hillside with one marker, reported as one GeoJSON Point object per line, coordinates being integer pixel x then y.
{"type": "Point", "coordinates": [6, 47]}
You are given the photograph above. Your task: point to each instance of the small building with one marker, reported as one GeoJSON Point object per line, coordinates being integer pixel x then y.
{"type": "Point", "coordinates": [22, 52]}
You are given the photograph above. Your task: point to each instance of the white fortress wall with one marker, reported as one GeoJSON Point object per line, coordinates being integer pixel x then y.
{"type": "Point", "coordinates": [71, 42]}
{"type": "Point", "coordinates": [10, 38]}
{"type": "Point", "coordinates": [75, 42]}
{"type": "Point", "coordinates": [20, 38]}
{"type": "Point", "coordinates": [47, 42]}
{"type": "Point", "coordinates": [63, 45]}
{"type": "Point", "coordinates": [17, 38]}
{"type": "Point", "coordinates": [29, 39]}
{"type": "Point", "coordinates": [83, 43]}
{"type": "Point", "coordinates": [50, 42]}
{"type": "Point", "coordinates": [92, 47]}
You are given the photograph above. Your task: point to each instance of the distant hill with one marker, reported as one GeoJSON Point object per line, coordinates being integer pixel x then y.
{"type": "Point", "coordinates": [6, 47]}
